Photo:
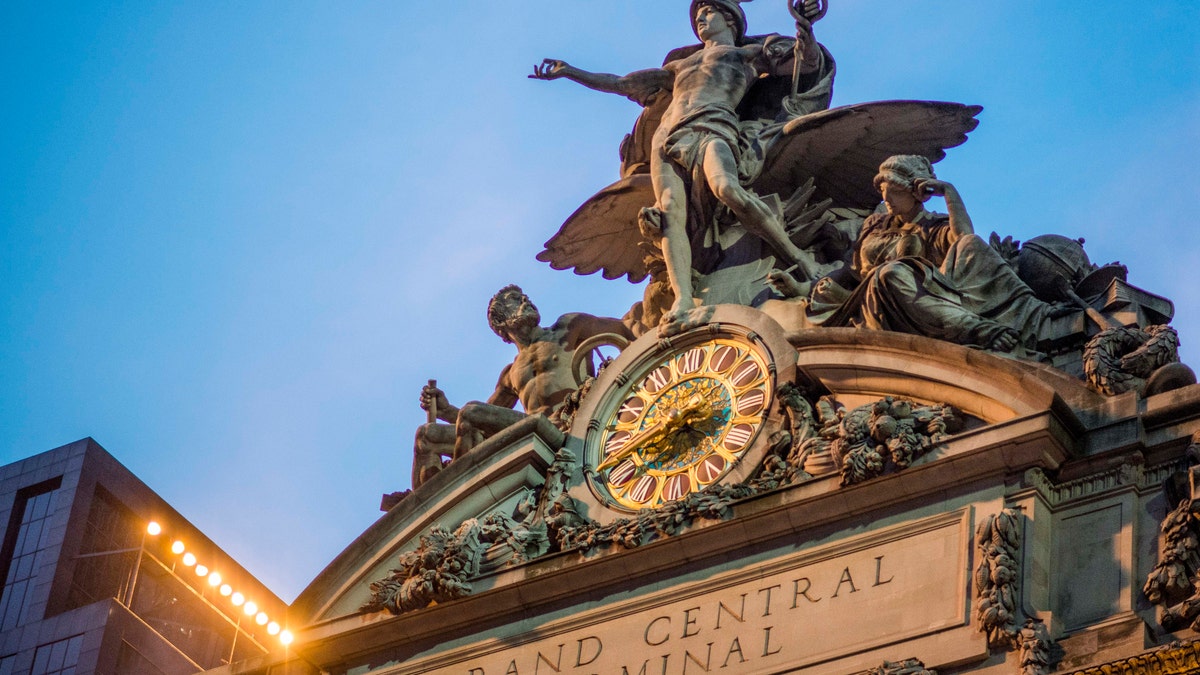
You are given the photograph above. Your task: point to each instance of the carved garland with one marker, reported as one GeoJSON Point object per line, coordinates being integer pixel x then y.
{"type": "Point", "coordinates": [1177, 658]}
{"type": "Point", "coordinates": [872, 440]}
{"type": "Point", "coordinates": [1172, 584]}
{"type": "Point", "coordinates": [998, 606]}
{"type": "Point", "coordinates": [999, 539]}
{"type": "Point", "coordinates": [1121, 359]}
{"type": "Point", "coordinates": [906, 667]}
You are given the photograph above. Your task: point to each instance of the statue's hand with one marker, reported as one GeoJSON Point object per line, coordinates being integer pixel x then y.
{"type": "Point", "coordinates": [931, 186]}
{"type": "Point", "coordinates": [786, 284]}
{"type": "Point", "coordinates": [806, 12]}
{"type": "Point", "coordinates": [549, 69]}
{"type": "Point", "coordinates": [433, 395]}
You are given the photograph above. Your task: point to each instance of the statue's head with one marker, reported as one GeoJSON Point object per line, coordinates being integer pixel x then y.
{"type": "Point", "coordinates": [730, 9]}
{"type": "Point", "coordinates": [904, 171]}
{"type": "Point", "coordinates": [510, 308]}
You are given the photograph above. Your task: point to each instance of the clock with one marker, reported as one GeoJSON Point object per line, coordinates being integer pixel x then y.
{"type": "Point", "coordinates": [672, 417]}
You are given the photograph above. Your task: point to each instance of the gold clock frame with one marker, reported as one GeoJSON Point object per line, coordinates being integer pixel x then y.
{"type": "Point", "coordinates": [756, 334]}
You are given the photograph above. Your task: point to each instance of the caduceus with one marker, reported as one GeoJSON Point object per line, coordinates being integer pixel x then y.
{"type": "Point", "coordinates": [806, 13]}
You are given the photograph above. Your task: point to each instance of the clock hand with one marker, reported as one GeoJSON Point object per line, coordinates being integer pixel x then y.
{"type": "Point", "coordinates": [697, 409]}
{"type": "Point", "coordinates": [635, 441]}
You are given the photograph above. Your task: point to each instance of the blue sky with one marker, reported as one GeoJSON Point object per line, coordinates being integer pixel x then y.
{"type": "Point", "coordinates": [239, 236]}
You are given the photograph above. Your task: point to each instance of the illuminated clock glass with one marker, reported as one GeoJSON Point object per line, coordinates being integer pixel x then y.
{"type": "Point", "coordinates": [682, 421]}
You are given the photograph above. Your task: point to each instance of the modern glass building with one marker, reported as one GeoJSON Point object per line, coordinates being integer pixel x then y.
{"type": "Point", "coordinates": [103, 576]}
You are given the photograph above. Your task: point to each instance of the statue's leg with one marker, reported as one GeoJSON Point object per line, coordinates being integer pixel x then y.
{"type": "Point", "coordinates": [670, 191]}
{"type": "Point", "coordinates": [432, 442]}
{"type": "Point", "coordinates": [720, 169]}
{"type": "Point", "coordinates": [477, 421]}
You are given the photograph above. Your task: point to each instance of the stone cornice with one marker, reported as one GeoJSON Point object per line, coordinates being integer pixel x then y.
{"type": "Point", "coordinates": [1174, 659]}
{"type": "Point", "coordinates": [1125, 475]}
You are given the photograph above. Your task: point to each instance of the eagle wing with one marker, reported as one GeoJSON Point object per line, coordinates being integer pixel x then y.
{"type": "Point", "coordinates": [841, 148]}
{"type": "Point", "coordinates": [603, 235]}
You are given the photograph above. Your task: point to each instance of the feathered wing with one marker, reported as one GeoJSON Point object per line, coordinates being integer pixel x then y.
{"type": "Point", "coordinates": [603, 235]}
{"type": "Point", "coordinates": [841, 148]}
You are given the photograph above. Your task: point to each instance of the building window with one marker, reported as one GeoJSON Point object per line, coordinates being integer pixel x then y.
{"type": "Point", "coordinates": [110, 534]}
{"type": "Point", "coordinates": [28, 533]}
{"type": "Point", "coordinates": [57, 658]}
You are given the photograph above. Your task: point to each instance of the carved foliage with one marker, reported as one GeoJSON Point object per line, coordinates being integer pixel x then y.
{"type": "Point", "coordinates": [906, 667]}
{"type": "Point", "coordinates": [437, 571]}
{"type": "Point", "coordinates": [441, 567]}
{"type": "Point", "coordinates": [1173, 581]}
{"type": "Point", "coordinates": [652, 524]}
{"type": "Point", "coordinates": [1118, 360]}
{"type": "Point", "coordinates": [1038, 653]}
{"type": "Point", "coordinates": [998, 539]}
{"type": "Point", "coordinates": [887, 436]}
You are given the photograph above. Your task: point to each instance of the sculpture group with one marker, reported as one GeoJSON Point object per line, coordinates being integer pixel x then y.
{"type": "Point", "coordinates": [740, 185]}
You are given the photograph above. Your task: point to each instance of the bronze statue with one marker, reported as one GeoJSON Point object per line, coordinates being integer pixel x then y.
{"type": "Point", "coordinates": [540, 378]}
{"type": "Point", "coordinates": [733, 130]}
{"type": "Point", "coordinates": [697, 139]}
{"type": "Point", "coordinates": [924, 273]}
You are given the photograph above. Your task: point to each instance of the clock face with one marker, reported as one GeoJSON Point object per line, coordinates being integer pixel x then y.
{"type": "Point", "coordinates": [681, 421]}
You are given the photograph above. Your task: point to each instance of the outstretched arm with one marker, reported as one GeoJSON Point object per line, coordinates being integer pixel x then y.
{"type": "Point", "coordinates": [637, 86]}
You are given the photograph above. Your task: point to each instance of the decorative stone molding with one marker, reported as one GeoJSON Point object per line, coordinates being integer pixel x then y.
{"type": "Point", "coordinates": [997, 577]}
{"type": "Point", "coordinates": [1125, 475]}
{"type": "Point", "coordinates": [1038, 653]}
{"type": "Point", "coordinates": [906, 667]}
{"type": "Point", "coordinates": [866, 442]}
{"type": "Point", "coordinates": [1177, 658]}
{"type": "Point", "coordinates": [1172, 584]}
{"type": "Point", "coordinates": [1122, 359]}
{"type": "Point", "coordinates": [441, 567]}
{"type": "Point", "coordinates": [438, 571]}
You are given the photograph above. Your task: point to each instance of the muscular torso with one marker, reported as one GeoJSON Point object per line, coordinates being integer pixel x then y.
{"type": "Point", "coordinates": [714, 75]}
{"type": "Point", "coordinates": [541, 374]}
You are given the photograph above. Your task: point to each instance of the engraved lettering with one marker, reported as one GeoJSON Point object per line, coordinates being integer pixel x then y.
{"type": "Point", "coordinates": [735, 646]}
{"type": "Point", "coordinates": [797, 592]}
{"type": "Point", "coordinates": [767, 643]}
{"type": "Point", "coordinates": [646, 664]}
{"type": "Point", "coordinates": [740, 616]}
{"type": "Point", "coordinates": [541, 658]}
{"type": "Point", "coordinates": [878, 572]}
{"type": "Point", "coordinates": [476, 671]}
{"type": "Point", "coordinates": [767, 606]}
{"type": "Point", "coordinates": [579, 660]}
{"type": "Point", "coordinates": [707, 660]}
{"type": "Point", "coordinates": [512, 668]}
{"type": "Point", "coordinates": [846, 579]}
{"type": "Point", "coordinates": [666, 634]}
{"type": "Point", "coordinates": [690, 621]}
